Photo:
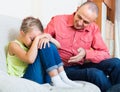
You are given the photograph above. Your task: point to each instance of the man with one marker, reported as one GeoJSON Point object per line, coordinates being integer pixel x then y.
{"type": "Point", "coordinates": [83, 51]}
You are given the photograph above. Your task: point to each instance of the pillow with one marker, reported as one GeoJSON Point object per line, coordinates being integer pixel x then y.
{"type": "Point", "coordinates": [9, 27]}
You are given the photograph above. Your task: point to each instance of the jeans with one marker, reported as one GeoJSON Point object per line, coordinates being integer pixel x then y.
{"type": "Point", "coordinates": [50, 57]}
{"type": "Point", "coordinates": [46, 60]}
{"type": "Point", "coordinates": [115, 88]}
{"type": "Point", "coordinates": [103, 74]}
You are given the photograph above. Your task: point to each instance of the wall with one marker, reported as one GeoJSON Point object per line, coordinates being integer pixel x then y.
{"type": "Point", "coordinates": [44, 9]}
{"type": "Point", "coordinates": [16, 8]}
{"type": "Point", "coordinates": [50, 8]}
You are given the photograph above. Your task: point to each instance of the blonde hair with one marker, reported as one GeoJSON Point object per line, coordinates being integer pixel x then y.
{"type": "Point", "coordinates": [29, 22]}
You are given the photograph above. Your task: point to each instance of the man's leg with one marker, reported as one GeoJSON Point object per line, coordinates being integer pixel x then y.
{"type": "Point", "coordinates": [112, 68]}
{"type": "Point", "coordinates": [92, 75]}
{"type": "Point", "coordinates": [115, 88]}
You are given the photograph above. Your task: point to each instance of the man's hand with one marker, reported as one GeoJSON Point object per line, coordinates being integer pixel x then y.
{"type": "Point", "coordinates": [79, 56]}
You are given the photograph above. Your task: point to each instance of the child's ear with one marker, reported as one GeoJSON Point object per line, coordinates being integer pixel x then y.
{"type": "Point", "coordinates": [78, 8]}
{"type": "Point", "coordinates": [22, 33]}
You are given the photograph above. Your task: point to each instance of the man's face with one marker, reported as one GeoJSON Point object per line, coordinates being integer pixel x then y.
{"type": "Point", "coordinates": [83, 17]}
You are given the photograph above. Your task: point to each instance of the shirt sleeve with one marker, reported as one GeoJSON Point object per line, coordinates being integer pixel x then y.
{"type": "Point", "coordinates": [99, 50]}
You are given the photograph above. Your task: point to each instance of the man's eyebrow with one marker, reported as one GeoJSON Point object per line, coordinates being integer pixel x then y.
{"type": "Point", "coordinates": [83, 19]}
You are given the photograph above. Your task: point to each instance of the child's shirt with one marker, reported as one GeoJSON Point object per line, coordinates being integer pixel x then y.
{"type": "Point", "coordinates": [16, 67]}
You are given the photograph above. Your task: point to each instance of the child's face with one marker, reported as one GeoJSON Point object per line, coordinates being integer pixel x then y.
{"type": "Point", "coordinates": [30, 36]}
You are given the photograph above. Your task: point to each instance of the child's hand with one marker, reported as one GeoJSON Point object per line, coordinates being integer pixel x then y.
{"type": "Point", "coordinates": [43, 43]}
{"type": "Point", "coordinates": [44, 40]}
{"type": "Point", "coordinates": [47, 36]}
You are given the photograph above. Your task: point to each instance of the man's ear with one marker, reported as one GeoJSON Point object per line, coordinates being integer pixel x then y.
{"type": "Point", "coordinates": [89, 0]}
{"type": "Point", "coordinates": [95, 20]}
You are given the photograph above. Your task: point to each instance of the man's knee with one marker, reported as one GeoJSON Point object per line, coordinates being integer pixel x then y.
{"type": "Point", "coordinates": [93, 72]}
{"type": "Point", "coordinates": [115, 62]}
{"type": "Point", "coordinates": [98, 76]}
{"type": "Point", "coordinates": [100, 79]}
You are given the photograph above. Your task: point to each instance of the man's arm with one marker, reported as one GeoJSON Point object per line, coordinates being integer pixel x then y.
{"type": "Point", "coordinates": [99, 50]}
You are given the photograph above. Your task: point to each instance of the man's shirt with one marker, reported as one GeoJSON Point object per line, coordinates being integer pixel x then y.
{"type": "Point", "coordinates": [61, 28]}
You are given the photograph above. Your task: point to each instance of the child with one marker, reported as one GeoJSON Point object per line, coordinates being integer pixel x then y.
{"type": "Point", "coordinates": [30, 50]}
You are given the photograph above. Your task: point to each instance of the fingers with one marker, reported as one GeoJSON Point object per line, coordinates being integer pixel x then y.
{"type": "Point", "coordinates": [73, 60]}
{"type": "Point", "coordinates": [76, 58]}
{"type": "Point", "coordinates": [47, 36]}
{"type": "Point", "coordinates": [80, 50]}
{"type": "Point", "coordinates": [43, 43]}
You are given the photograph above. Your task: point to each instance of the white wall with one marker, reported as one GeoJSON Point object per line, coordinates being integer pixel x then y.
{"type": "Point", "coordinates": [44, 9]}
{"type": "Point", "coordinates": [16, 8]}
{"type": "Point", "coordinates": [50, 8]}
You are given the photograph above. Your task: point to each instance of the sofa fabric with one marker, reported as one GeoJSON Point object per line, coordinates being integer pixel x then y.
{"type": "Point", "coordinates": [14, 84]}
{"type": "Point", "coordinates": [9, 28]}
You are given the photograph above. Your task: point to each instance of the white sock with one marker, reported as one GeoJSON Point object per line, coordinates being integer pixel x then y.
{"type": "Point", "coordinates": [56, 80]}
{"type": "Point", "coordinates": [68, 81]}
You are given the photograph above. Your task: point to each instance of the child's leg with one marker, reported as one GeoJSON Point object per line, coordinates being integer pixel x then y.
{"type": "Point", "coordinates": [64, 77]}
{"type": "Point", "coordinates": [34, 71]}
{"type": "Point", "coordinates": [50, 57]}
{"type": "Point", "coordinates": [47, 78]}
{"type": "Point", "coordinates": [56, 55]}
{"type": "Point", "coordinates": [56, 80]}
{"type": "Point", "coordinates": [61, 71]}
{"type": "Point", "coordinates": [48, 60]}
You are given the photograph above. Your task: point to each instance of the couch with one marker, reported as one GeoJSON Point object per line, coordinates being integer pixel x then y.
{"type": "Point", "coordinates": [9, 28]}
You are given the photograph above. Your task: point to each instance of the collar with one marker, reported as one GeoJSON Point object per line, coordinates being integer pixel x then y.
{"type": "Point", "coordinates": [70, 20]}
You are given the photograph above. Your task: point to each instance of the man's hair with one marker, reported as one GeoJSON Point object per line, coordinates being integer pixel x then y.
{"type": "Point", "coordinates": [29, 22]}
{"type": "Point", "coordinates": [92, 6]}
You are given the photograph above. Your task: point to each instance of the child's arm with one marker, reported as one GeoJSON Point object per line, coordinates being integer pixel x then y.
{"type": "Point", "coordinates": [55, 42]}
{"type": "Point", "coordinates": [26, 56]}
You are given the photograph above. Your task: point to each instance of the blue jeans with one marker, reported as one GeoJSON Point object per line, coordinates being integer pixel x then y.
{"type": "Point", "coordinates": [46, 60]}
{"type": "Point", "coordinates": [115, 88]}
{"type": "Point", "coordinates": [97, 73]}
{"type": "Point", "coordinates": [50, 58]}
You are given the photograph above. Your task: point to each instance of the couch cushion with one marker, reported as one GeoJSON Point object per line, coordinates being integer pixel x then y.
{"type": "Point", "coordinates": [14, 84]}
{"type": "Point", "coordinates": [9, 28]}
